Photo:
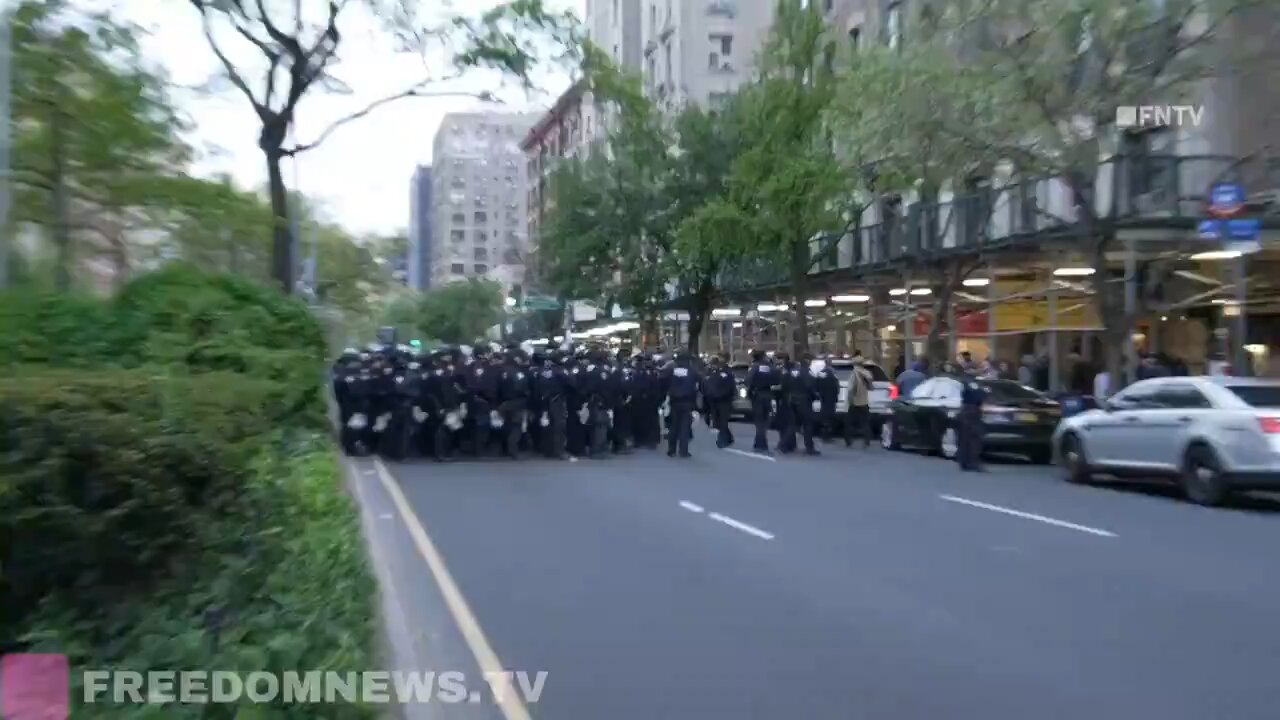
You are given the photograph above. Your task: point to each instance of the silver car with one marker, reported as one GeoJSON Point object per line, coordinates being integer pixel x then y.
{"type": "Point", "coordinates": [1212, 435]}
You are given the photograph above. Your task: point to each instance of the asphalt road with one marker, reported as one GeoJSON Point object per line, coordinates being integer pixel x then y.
{"type": "Point", "coordinates": [859, 584]}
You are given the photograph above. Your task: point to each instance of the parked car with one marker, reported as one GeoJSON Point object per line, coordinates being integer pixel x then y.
{"type": "Point", "coordinates": [1017, 419]}
{"type": "Point", "coordinates": [1212, 435]}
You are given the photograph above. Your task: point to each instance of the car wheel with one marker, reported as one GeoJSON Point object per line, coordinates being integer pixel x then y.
{"type": "Point", "coordinates": [1074, 460]}
{"type": "Point", "coordinates": [1202, 480]}
{"type": "Point", "coordinates": [888, 438]}
{"type": "Point", "coordinates": [949, 444]}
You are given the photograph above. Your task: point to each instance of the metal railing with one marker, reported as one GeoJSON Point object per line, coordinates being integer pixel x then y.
{"type": "Point", "coordinates": [1128, 190]}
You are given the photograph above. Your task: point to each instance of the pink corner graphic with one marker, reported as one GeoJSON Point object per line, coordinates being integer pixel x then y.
{"type": "Point", "coordinates": [34, 687]}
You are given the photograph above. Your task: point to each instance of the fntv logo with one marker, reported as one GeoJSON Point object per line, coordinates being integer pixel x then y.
{"type": "Point", "coordinates": [1129, 117]}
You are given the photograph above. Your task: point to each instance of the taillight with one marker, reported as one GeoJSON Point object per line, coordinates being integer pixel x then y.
{"type": "Point", "coordinates": [1270, 425]}
{"type": "Point", "coordinates": [893, 391]}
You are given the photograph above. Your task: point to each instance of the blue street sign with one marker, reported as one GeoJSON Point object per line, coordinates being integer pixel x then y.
{"type": "Point", "coordinates": [1243, 229]}
{"type": "Point", "coordinates": [1226, 199]}
{"type": "Point", "coordinates": [1210, 229]}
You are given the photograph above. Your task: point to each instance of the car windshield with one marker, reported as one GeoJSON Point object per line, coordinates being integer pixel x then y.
{"type": "Point", "coordinates": [1007, 391]}
{"type": "Point", "coordinates": [877, 373]}
{"type": "Point", "coordinates": [1262, 396]}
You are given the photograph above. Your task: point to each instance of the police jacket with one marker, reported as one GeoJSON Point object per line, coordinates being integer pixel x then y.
{"type": "Point", "coordinates": [482, 382]}
{"type": "Point", "coordinates": [513, 384]}
{"type": "Point", "coordinates": [828, 385]}
{"type": "Point", "coordinates": [972, 393]}
{"type": "Point", "coordinates": [553, 382]}
{"type": "Point", "coordinates": [762, 378]}
{"type": "Point", "coordinates": [681, 383]}
{"type": "Point", "coordinates": [799, 385]}
{"type": "Point", "coordinates": [596, 384]}
{"type": "Point", "coordinates": [719, 385]}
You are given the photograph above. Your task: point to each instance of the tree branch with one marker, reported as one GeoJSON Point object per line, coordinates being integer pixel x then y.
{"type": "Point", "coordinates": [233, 74]}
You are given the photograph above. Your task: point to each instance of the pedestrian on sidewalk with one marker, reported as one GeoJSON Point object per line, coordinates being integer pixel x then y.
{"type": "Point", "coordinates": [858, 400]}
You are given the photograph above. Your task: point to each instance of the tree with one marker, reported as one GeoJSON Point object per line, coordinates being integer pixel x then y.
{"type": "Point", "coordinates": [709, 233]}
{"type": "Point", "coordinates": [1059, 70]}
{"type": "Point", "coordinates": [787, 187]}
{"type": "Point", "coordinates": [297, 52]}
{"type": "Point", "coordinates": [94, 129]}
{"type": "Point", "coordinates": [893, 116]}
{"type": "Point", "coordinates": [609, 234]}
{"type": "Point", "coordinates": [461, 312]}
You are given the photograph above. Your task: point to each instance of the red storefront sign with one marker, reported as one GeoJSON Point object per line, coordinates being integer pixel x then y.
{"type": "Point", "coordinates": [969, 323]}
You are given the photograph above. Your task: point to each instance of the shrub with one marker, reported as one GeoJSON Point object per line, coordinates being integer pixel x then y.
{"type": "Point", "coordinates": [47, 328]}
{"type": "Point", "coordinates": [281, 584]}
{"type": "Point", "coordinates": [105, 475]}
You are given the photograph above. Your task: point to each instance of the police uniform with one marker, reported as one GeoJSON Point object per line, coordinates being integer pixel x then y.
{"type": "Point", "coordinates": [553, 390]}
{"type": "Point", "coordinates": [971, 429]}
{"type": "Point", "coordinates": [762, 378]}
{"type": "Point", "coordinates": [828, 388]}
{"type": "Point", "coordinates": [680, 381]}
{"type": "Point", "coordinates": [799, 393]}
{"type": "Point", "coordinates": [718, 389]}
{"type": "Point", "coordinates": [513, 396]}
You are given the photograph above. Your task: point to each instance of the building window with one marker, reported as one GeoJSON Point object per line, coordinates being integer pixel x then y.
{"type": "Point", "coordinates": [481, 217]}
{"type": "Point", "coordinates": [855, 37]}
{"type": "Point", "coordinates": [482, 237]}
{"type": "Point", "coordinates": [458, 235]}
{"type": "Point", "coordinates": [723, 43]}
{"type": "Point", "coordinates": [481, 269]}
{"type": "Point", "coordinates": [457, 268]}
{"type": "Point", "coordinates": [827, 5]}
{"type": "Point", "coordinates": [893, 26]}
{"type": "Point", "coordinates": [459, 219]}
{"type": "Point", "coordinates": [481, 253]}
{"type": "Point", "coordinates": [653, 18]}
{"type": "Point", "coordinates": [615, 13]}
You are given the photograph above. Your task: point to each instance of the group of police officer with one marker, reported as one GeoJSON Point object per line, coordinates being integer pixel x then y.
{"type": "Point", "coordinates": [398, 401]}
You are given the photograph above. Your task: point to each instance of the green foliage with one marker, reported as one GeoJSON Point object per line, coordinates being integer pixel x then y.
{"type": "Point", "coordinates": [460, 312]}
{"type": "Point", "coordinates": [278, 582]}
{"type": "Point", "coordinates": [108, 473]}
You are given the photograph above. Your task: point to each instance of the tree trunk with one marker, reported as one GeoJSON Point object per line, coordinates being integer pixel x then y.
{"type": "Point", "coordinates": [935, 345]}
{"type": "Point", "coordinates": [699, 306]}
{"type": "Point", "coordinates": [282, 269]}
{"type": "Point", "coordinates": [800, 291]}
{"type": "Point", "coordinates": [649, 331]}
{"type": "Point", "coordinates": [61, 228]}
{"type": "Point", "coordinates": [1116, 324]}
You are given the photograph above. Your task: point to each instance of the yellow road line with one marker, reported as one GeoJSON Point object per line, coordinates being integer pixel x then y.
{"type": "Point", "coordinates": [508, 701]}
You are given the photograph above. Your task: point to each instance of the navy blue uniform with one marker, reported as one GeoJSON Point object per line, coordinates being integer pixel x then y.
{"type": "Point", "coordinates": [717, 390]}
{"type": "Point", "coordinates": [553, 392]}
{"type": "Point", "coordinates": [645, 400]}
{"type": "Point", "coordinates": [761, 381]}
{"type": "Point", "coordinates": [798, 393]}
{"type": "Point", "coordinates": [828, 387]}
{"type": "Point", "coordinates": [970, 431]}
{"type": "Point", "coordinates": [681, 384]}
{"type": "Point", "coordinates": [482, 399]}
{"type": "Point", "coordinates": [513, 398]}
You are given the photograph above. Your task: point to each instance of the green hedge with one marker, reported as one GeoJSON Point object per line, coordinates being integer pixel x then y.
{"type": "Point", "coordinates": [106, 474]}
{"type": "Point", "coordinates": [280, 584]}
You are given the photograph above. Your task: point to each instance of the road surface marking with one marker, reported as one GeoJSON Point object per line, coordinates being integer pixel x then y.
{"type": "Point", "coordinates": [1029, 516]}
{"type": "Point", "coordinates": [755, 455]}
{"type": "Point", "coordinates": [507, 699]}
{"type": "Point", "coordinates": [385, 516]}
{"type": "Point", "coordinates": [691, 507]}
{"type": "Point", "coordinates": [749, 529]}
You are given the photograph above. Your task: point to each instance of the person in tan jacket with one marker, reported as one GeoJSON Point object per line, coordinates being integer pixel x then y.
{"type": "Point", "coordinates": [857, 398]}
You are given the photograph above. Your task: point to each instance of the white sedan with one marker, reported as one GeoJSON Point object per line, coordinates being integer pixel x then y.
{"type": "Point", "coordinates": [1212, 435]}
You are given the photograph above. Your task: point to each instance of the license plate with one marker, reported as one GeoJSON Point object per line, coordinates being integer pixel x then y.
{"type": "Point", "coordinates": [1027, 417]}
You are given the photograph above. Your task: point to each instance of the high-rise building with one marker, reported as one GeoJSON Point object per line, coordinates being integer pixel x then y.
{"type": "Point", "coordinates": [560, 133]}
{"type": "Point", "coordinates": [614, 27]}
{"type": "Point", "coordinates": [479, 198]}
{"type": "Point", "coordinates": [420, 245]}
{"type": "Point", "coordinates": [701, 51]}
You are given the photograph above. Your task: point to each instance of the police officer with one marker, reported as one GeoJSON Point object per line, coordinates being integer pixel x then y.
{"type": "Point", "coordinates": [533, 431]}
{"type": "Point", "coordinates": [596, 389]}
{"type": "Point", "coordinates": [828, 387]}
{"type": "Point", "coordinates": [680, 383]}
{"type": "Point", "coordinates": [402, 396]}
{"type": "Point", "coordinates": [513, 394]}
{"type": "Point", "coordinates": [575, 405]}
{"type": "Point", "coordinates": [624, 380]}
{"type": "Point", "coordinates": [482, 398]}
{"type": "Point", "coordinates": [799, 393]}
{"type": "Point", "coordinates": [970, 431]}
{"type": "Point", "coordinates": [718, 389]}
{"type": "Point", "coordinates": [644, 403]}
{"type": "Point", "coordinates": [553, 391]}
{"type": "Point", "coordinates": [760, 383]}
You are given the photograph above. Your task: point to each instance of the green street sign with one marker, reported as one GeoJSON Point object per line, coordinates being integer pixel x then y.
{"type": "Point", "coordinates": [539, 302]}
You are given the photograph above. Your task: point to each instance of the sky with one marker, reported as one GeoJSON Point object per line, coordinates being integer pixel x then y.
{"type": "Point", "coordinates": [360, 174]}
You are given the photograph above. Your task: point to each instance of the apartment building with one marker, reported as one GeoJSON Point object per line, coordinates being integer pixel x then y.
{"type": "Point", "coordinates": [561, 133]}
{"type": "Point", "coordinates": [479, 198]}
{"type": "Point", "coordinates": [701, 51]}
{"type": "Point", "coordinates": [420, 237]}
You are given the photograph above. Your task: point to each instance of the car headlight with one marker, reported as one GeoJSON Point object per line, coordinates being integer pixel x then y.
{"type": "Point", "coordinates": [742, 392]}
